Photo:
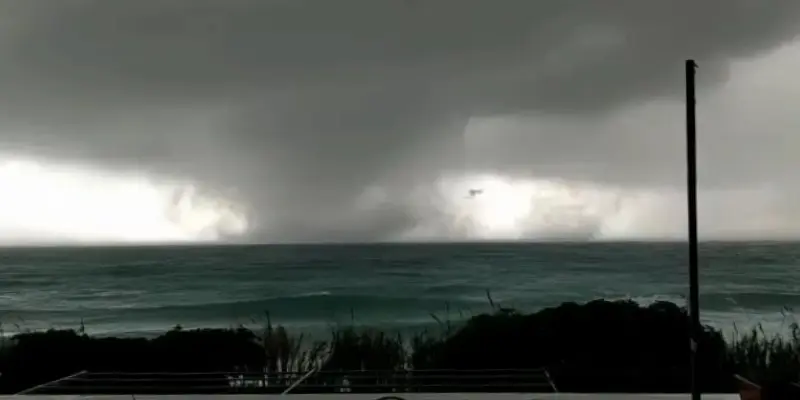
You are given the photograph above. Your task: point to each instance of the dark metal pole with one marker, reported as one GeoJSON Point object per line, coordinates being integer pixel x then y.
{"type": "Point", "coordinates": [691, 197]}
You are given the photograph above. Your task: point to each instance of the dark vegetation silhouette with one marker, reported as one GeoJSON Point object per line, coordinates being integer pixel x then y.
{"type": "Point", "coordinates": [599, 346]}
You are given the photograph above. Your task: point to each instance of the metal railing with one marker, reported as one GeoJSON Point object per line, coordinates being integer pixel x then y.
{"type": "Point", "coordinates": [749, 389]}
{"type": "Point", "coordinates": [356, 381]}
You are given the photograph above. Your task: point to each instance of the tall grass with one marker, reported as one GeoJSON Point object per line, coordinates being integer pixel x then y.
{"type": "Point", "coordinates": [763, 357]}
{"type": "Point", "coordinates": [596, 346]}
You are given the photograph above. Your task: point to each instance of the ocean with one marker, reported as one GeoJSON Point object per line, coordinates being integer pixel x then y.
{"type": "Point", "coordinates": [146, 290]}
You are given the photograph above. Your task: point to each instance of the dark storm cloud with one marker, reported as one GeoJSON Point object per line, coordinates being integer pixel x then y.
{"type": "Point", "coordinates": [303, 104]}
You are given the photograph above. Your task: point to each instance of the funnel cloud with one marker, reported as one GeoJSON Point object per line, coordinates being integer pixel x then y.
{"type": "Point", "coordinates": [356, 120]}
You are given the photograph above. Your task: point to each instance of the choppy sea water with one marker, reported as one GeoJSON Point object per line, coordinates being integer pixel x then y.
{"type": "Point", "coordinates": [144, 290]}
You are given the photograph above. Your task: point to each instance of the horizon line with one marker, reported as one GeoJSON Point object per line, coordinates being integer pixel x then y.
{"type": "Point", "coordinates": [98, 245]}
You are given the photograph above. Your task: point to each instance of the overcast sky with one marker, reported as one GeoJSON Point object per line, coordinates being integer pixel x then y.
{"type": "Point", "coordinates": [350, 119]}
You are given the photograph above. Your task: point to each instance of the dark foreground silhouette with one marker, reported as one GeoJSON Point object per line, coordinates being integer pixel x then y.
{"type": "Point", "coordinates": [599, 346]}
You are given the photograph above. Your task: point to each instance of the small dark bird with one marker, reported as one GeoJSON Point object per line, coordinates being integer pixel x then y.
{"type": "Point", "coordinates": [475, 192]}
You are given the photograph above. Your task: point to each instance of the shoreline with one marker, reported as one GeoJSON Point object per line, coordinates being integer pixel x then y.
{"type": "Point", "coordinates": [728, 323]}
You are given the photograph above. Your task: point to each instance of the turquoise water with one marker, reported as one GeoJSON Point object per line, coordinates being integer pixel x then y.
{"type": "Point", "coordinates": [141, 290]}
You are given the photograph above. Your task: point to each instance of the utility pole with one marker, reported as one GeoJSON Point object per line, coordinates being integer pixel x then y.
{"type": "Point", "coordinates": [691, 201]}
